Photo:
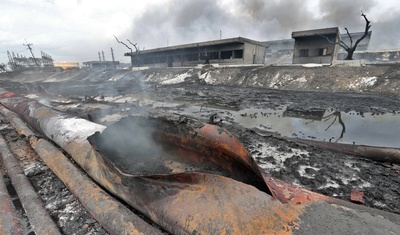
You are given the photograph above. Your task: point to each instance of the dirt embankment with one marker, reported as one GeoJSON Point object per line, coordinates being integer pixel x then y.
{"type": "Point", "coordinates": [384, 79]}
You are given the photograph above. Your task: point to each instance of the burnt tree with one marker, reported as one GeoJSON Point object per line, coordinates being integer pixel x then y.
{"type": "Point", "coordinates": [130, 48]}
{"type": "Point", "coordinates": [137, 52]}
{"type": "Point", "coordinates": [351, 48]}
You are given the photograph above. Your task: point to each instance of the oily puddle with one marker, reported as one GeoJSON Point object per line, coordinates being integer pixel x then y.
{"type": "Point", "coordinates": [325, 125]}
{"type": "Point", "coordinates": [373, 129]}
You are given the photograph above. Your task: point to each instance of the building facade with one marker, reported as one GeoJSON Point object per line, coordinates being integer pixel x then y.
{"type": "Point", "coordinates": [225, 51]}
{"type": "Point", "coordinates": [316, 46]}
{"type": "Point", "coordinates": [281, 51]}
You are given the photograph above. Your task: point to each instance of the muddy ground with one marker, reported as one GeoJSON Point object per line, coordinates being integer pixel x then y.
{"type": "Point", "coordinates": [320, 170]}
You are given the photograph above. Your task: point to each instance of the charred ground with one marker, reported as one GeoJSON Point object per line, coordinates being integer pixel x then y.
{"type": "Point", "coordinates": [320, 170]}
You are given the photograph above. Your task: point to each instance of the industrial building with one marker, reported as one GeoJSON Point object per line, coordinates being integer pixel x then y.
{"type": "Point", "coordinates": [309, 46]}
{"type": "Point", "coordinates": [281, 51]}
{"type": "Point", "coordinates": [316, 46]}
{"type": "Point", "coordinates": [237, 50]}
{"type": "Point", "coordinates": [102, 63]}
{"type": "Point", "coordinates": [98, 65]}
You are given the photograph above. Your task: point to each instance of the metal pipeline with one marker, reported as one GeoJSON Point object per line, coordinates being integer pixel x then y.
{"type": "Point", "coordinates": [9, 222]}
{"type": "Point", "coordinates": [34, 208]}
{"type": "Point", "coordinates": [379, 154]}
{"type": "Point", "coordinates": [205, 182]}
{"type": "Point", "coordinates": [110, 213]}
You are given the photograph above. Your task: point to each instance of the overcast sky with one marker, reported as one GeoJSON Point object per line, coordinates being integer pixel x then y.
{"type": "Point", "coordinates": [75, 30]}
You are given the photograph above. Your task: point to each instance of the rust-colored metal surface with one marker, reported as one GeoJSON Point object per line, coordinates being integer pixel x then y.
{"type": "Point", "coordinates": [110, 213]}
{"type": "Point", "coordinates": [34, 208]}
{"type": "Point", "coordinates": [194, 178]}
{"type": "Point", "coordinates": [357, 196]}
{"type": "Point", "coordinates": [9, 222]}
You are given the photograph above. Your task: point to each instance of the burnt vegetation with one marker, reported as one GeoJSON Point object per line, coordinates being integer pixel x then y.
{"type": "Point", "coordinates": [133, 55]}
{"type": "Point", "coordinates": [352, 47]}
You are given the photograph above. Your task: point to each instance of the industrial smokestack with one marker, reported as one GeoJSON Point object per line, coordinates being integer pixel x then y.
{"type": "Point", "coordinates": [102, 52]}
{"type": "Point", "coordinates": [99, 56]}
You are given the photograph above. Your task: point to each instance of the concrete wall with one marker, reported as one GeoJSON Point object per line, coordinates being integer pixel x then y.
{"type": "Point", "coordinates": [229, 53]}
{"type": "Point", "coordinates": [375, 57]}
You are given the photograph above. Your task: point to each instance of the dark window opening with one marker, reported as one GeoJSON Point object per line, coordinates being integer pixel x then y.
{"type": "Point", "coordinates": [303, 52]}
{"type": "Point", "coordinates": [226, 55]}
{"type": "Point", "coordinates": [191, 57]}
{"type": "Point", "coordinates": [158, 60]}
{"type": "Point", "coordinates": [169, 61]}
{"type": "Point", "coordinates": [322, 51]}
{"type": "Point", "coordinates": [177, 58]}
{"type": "Point", "coordinates": [214, 55]}
{"type": "Point", "coordinates": [148, 60]}
{"type": "Point", "coordinates": [238, 54]}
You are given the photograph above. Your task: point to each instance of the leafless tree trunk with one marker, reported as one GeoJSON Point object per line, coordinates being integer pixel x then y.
{"type": "Point", "coordinates": [137, 52]}
{"type": "Point", "coordinates": [350, 49]}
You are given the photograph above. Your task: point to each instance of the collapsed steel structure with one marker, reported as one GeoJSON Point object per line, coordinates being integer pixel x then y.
{"type": "Point", "coordinates": [194, 178]}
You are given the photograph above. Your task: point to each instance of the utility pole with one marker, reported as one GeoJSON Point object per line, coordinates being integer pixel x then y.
{"type": "Point", "coordinates": [30, 48]}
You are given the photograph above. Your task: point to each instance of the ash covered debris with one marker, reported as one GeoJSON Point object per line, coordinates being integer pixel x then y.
{"type": "Point", "coordinates": [64, 208]}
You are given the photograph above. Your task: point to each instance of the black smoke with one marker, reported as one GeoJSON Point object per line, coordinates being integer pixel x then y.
{"type": "Point", "coordinates": [186, 21]}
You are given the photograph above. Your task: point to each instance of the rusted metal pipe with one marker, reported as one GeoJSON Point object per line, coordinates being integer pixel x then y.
{"type": "Point", "coordinates": [379, 154]}
{"type": "Point", "coordinates": [110, 213]}
{"type": "Point", "coordinates": [9, 222]}
{"type": "Point", "coordinates": [208, 199]}
{"type": "Point", "coordinates": [34, 208]}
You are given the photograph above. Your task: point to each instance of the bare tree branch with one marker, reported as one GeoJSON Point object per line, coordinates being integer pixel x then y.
{"type": "Point", "coordinates": [350, 49]}
{"type": "Point", "coordinates": [350, 37]}
{"type": "Point", "coordinates": [137, 49]}
{"type": "Point", "coordinates": [137, 52]}
{"type": "Point", "coordinates": [122, 43]}
{"type": "Point", "coordinates": [340, 43]}
{"type": "Point", "coordinates": [367, 27]}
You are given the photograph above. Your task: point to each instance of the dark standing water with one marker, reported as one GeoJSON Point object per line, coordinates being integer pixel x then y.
{"type": "Point", "coordinates": [363, 129]}
{"type": "Point", "coordinates": [327, 125]}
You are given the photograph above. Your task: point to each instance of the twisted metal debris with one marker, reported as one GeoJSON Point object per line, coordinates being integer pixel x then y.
{"type": "Point", "coordinates": [194, 178]}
